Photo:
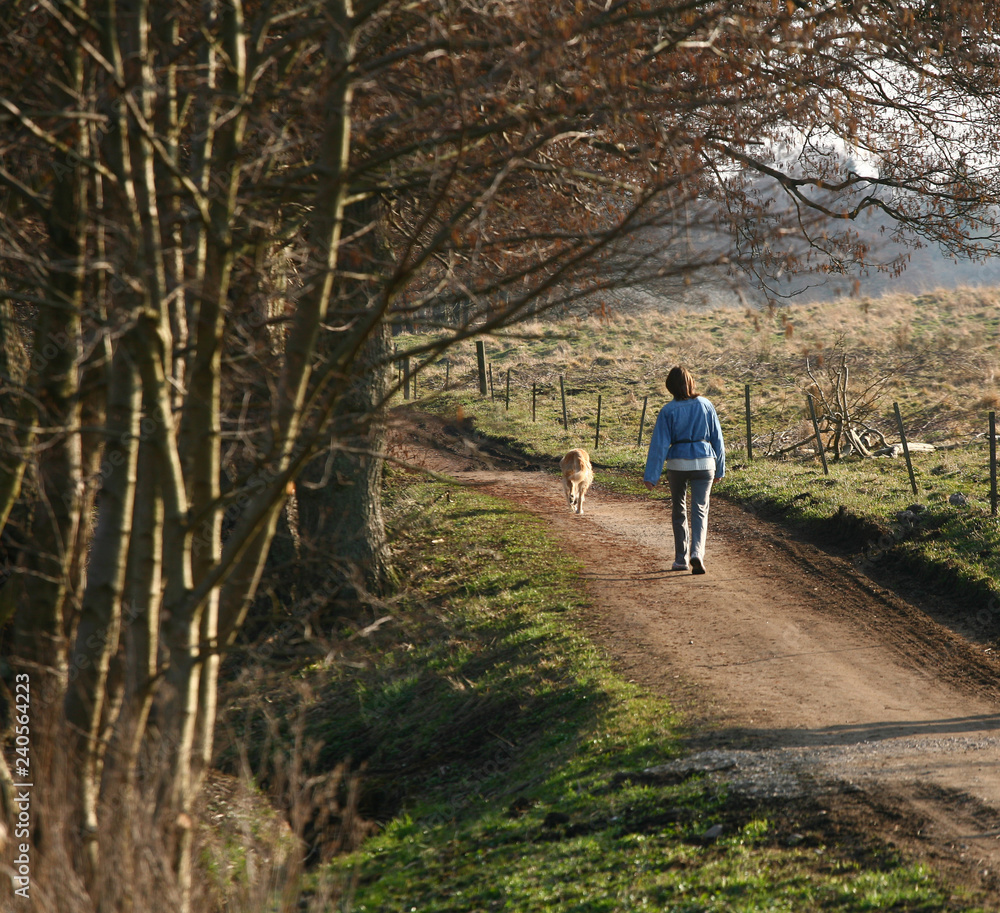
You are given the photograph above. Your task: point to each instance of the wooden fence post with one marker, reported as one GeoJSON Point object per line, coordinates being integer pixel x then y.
{"type": "Point", "coordinates": [406, 377]}
{"type": "Point", "coordinates": [507, 401]}
{"type": "Point", "coordinates": [906, 447]}
{"type": "Point", "coordinates": [642, 421]}
{"type": "Point", "coordinates": [562, 390]}
{"type": "Point", "coordinates": [481, 359]}
{"type": "Point", "coordinates": [534, 393]}
{"type": "Point", "coordinates": [597, 436]}
{"type": "Point", "coordinates": [993, 463]}
{"type": "Point", "coordinates": [819, 439]}
{"type": "Point", "coordinates": [746, 396]}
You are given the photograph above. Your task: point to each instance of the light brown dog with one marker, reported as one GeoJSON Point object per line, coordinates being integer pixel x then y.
{"type": "Point", "coordinates": [577, 475]}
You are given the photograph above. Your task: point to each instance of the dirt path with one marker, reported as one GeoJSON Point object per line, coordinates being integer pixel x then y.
{"type": "Point", "coordinates": [798, 675]}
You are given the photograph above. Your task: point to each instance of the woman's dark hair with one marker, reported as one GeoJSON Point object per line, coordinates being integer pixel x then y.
{"type": "Point", "coordinates": [680, 383]}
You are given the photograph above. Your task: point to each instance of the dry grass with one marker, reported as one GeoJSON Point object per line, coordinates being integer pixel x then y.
{"type": "Point", "coordinates": [940, 350]}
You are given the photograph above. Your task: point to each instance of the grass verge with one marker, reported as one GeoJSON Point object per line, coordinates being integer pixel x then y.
{"type": "Point", "coordinates": [503, 738]}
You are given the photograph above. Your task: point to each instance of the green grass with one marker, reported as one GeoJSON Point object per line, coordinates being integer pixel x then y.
{"type": "Point", "coordinates": [507, 736]}
{"type": "Point", "coordinates": [956, 546]}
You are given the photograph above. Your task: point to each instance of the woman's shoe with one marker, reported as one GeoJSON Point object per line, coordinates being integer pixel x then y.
{"type": "Point", "coordinates": [697, 567]}
{"type": "Point", "coordinates": [679, 566]}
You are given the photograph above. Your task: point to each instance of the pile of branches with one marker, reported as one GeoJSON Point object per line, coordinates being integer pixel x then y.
{"type": "Point", "coordinates": [840, 414]}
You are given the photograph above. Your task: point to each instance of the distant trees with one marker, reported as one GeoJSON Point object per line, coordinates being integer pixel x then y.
{"type": "Point", "coordinates": [212, 218]}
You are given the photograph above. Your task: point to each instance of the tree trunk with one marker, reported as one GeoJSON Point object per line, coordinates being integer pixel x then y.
{"type": "Point", "coordinates": [302, 340]}
{"type": "Point", "coordinates": [345, 548]}
{"type": "Point", "coordinates": [340, 498]}
{"type": "Point", "coordinates": [100, 615]}
{"type": "Point", "coordinates": [144, 600]}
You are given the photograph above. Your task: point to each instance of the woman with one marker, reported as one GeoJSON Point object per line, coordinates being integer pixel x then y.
{"type": "Point", "coordinates": [688, 436]}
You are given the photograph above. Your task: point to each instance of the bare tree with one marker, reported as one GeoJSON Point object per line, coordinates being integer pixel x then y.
{"type": "Point", "coordinates": [212, 219]}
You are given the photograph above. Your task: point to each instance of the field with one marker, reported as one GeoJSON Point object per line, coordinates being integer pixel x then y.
{"type": "Point", "coordinates": [936, 356]}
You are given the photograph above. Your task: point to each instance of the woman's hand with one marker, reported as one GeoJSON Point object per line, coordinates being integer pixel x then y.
{"type": "Point", "coordinates": [649, 485]}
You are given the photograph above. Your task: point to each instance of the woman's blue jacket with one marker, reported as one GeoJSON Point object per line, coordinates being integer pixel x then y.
{"type": "Point", "coordinates": [685, 429]}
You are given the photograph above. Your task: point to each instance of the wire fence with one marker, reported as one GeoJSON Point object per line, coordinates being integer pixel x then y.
{"type": "Point", "coordinates": [497, 386]}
